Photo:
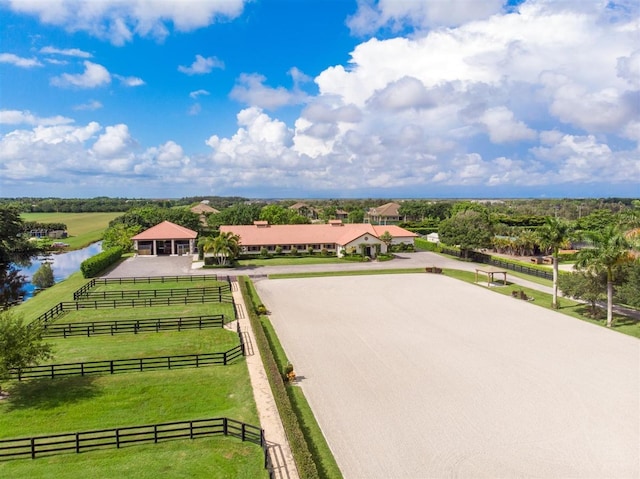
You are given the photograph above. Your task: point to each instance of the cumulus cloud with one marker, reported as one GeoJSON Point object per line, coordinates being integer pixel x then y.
{"type": "Point", "coordinates": [94, 76]}
{"type": "Point", "coordinates": [418, 14]}
{"type": "Point", "coordinates": [19, 61]}
{"type": "Point", "coordinates": [201, 66]}
{"type": "Point", "coordinates": [130, 81]}
{"type": "Point", "coordinates": [503, 127]}
{"type": "Point", "coordinates": [250, 89]}
{"type": "Point", "coordinates": [118, 21]}
{"type": "Point", "coordinates": [71, 52]}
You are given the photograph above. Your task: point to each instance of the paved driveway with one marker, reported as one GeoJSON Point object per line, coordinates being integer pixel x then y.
{"type": "Point", "coordinates": [420, 376]}
{"type": "Point", "coordinates": [153, 266]}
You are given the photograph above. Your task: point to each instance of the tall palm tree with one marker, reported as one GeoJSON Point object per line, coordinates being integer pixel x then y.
{"type": "Point", "coordinates": [553, 235]}
{"type": "Point", "coordinates": [610, 249]}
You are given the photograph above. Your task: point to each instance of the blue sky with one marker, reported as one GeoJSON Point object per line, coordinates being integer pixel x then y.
{"type": "Point", "coordinates": [320, 98]}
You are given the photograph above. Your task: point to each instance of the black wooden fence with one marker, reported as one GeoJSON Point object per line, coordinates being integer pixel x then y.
{"type": "Point", "coordinates": [115, 366]}
{"type": "Point", "coordinates": [154, 293]}
{"type": "Point", "coordinates": [133, 303]}
{"type": "Point", "coordinates": [478, 257]}
{"type": "Point", "coordinates": [133, 326]}
{"type": "Point", "coordinates": [147, 280]}
{"type": "Point", "coordinates": [37, 446]}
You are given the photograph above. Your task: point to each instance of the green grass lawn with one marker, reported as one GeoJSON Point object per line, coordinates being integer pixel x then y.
{"type": "Point", "coordinates": [215, 457]}
{"type": "Point", "coordinates": [567, 306]}
{"type": "Point", "coordinates": [124, 346]}
{"type": "Point", "coordinates": [83, 228]}
{"type": "Point", "coordinates": [151, 312]}
{"type": "Point", "coordinates": [40, 407]}
{"type": "Point", "coordinates": [157, 285]}
{"type": "Point", "coordinates": [291, 260]}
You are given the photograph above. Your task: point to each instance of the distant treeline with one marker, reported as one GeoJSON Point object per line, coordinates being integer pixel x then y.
{"type": "Point", "coordinates": [106, 204]}
{"type": "Point", "coordinates": [36, 226]}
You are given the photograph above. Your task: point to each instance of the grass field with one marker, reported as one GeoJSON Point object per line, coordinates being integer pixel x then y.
{"type": "Point", "coordinates": [83, 228]}
{"type": "Point", "coordinates": [39, 407]}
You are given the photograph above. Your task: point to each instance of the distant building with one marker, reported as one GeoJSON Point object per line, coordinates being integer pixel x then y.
{"type": "Point", "coordinates": [335, 237]}
{"type": "Point", "coordinates": [203, 210]}
{"type": "Point", "coordinates": [305, 210]}
{"type": "Point", "coordinates": [433, 238]}
{"type": "Point", "coordinates": [382, 215]}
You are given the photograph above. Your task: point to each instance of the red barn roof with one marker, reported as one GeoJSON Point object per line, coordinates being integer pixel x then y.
{"type": "Point", "coordinates": [165, 231]}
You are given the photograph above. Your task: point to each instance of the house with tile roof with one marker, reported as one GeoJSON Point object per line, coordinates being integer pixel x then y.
{"type": "Point", "coordinates": [335, 237]}
{"type": "Point", "coordinates": [165, 238]}
{"type": "Point", "coordinates": [384, 214]}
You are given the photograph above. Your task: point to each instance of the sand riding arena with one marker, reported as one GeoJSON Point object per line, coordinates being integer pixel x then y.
{"type": "Point", "coordinates": [416, 376]}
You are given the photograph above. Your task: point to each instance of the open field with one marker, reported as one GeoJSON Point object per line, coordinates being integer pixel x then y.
{"type": "Point", "coordinates": [426, 376]}
{"type": "Point", "coordinates": [38, 407]}
{"type": "Point", "coordinates": [83, 228]}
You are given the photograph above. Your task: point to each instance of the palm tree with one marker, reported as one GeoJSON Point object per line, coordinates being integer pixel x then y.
{"type": "Point", "coordinates": [553, 235]}
{"type": "Point", "coordinates": [610, 249]}
{"type": "Point", "coordinates": [224, 247]}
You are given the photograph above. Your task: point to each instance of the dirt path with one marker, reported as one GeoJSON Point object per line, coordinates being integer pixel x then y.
{"type": "Point", "coordinates": [281, 458]}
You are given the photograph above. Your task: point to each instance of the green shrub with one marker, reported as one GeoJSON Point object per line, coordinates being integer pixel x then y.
{"type": "Point", "coordinates": [310, 250]}
{"type": "Point", "coordinates": [324, 252]}
{"type": "Point", "coordinates": [294, 251]}
{"type": "Point", "coordinates": [264, 252]}
{"type": "Point", "coordinates": [278, 250]}
{"type": "Point", "coordinates": [95, 265]}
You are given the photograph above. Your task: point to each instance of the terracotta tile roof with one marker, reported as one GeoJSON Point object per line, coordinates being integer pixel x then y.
{"type": "Point", "coordinates": [165, 231]}
{"type": "Point", "coordinates": [335, 233]}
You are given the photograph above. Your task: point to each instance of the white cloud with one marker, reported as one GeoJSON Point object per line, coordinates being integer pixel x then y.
{"type": "Point", "coordinates": [118, 21]}
{"type": "Point", "coordinates": [18, 117]}
{"type": "Point", "coordinates": [503, 127]}
{"type": "Point", "coordinates": [195, 94]}
{"type": "Point", "coordinates": [419, 14]}
{"type": "Point", "coordinates": [19, 61]}
{"type": "Point", "coordinates": [251, 90]}
{"type": "Point", "coordinates": [130, 81]}
{"type": "Point", "coordinates": [94, 76]}
{"type": "Point", "coordinates": [201, 66]}
{"type": "Point", "coordinates": [91, 105]}
{"type": "Point", "coordinates": [71, 52]}
{"type": "Point", "coordinates": [115, 141]}
{"type": "Point", "coordinates": [195, 109]}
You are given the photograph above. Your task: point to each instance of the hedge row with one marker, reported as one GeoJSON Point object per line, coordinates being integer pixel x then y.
{"type": "Point", "coordinates": [423, 244]}
{"type": "Point", "coordinates": [95, 265]}
{"type": "Point", "coordinates": [299, 447]}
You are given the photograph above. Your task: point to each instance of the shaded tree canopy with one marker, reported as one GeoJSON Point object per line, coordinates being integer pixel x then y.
{"type": "Point", "coordinates": [15, 250]}
{"type": "Point", "coordinates": [468, 229]}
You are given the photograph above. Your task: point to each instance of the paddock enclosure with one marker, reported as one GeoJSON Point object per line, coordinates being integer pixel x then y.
{"type": "Point", "coordinates": [420, 376]}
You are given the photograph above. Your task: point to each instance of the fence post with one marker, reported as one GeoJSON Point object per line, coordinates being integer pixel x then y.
{"type": "Point", "coordinates": [33, 448]}
{"type": "Point", "coordinates": [155, 433]}
{"type": "Point", "coordinates": [190, 429]}
{"type": "Point", "coordinates": [224, 425]}
{"type": "Point", "coordinates": [77, 443]}
{"type": "Point", "coordinates": [244, 428]}
{"type": "Point", "coordinates": [111, 366]}
{"type": "Point", "coordinates": [118, 438]}
{"type": "Point", "coordinates": [53, 373]}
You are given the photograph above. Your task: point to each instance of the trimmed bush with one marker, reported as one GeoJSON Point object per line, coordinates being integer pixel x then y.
{"type": "Point", "coordinates": [95, 265]}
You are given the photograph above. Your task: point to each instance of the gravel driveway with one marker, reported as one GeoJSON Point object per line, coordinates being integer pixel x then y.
{"type": "Point", "coordinates": [416, 376]}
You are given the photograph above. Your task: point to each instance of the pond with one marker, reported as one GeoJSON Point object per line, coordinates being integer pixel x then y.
{"type": "Point", "coordinates": [63, 265]}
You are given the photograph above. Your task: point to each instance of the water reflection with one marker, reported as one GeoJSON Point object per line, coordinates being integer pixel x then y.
{"type": "Point", "coordinates": [63, 265]}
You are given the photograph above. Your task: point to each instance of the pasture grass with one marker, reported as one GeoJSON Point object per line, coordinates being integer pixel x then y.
{"type": "Point", "coordinates": [46, 406]}
{"type": "Point", "coordinates": [206, 457]}
{"type": "Point", "coordinates": [144, 312]}
{"type": "Point", "coordinates": [83, 228]}
{"type": "Point", "coordinates": [575, 309]}
{"type": "Point", "coordinates": [125, 346]}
